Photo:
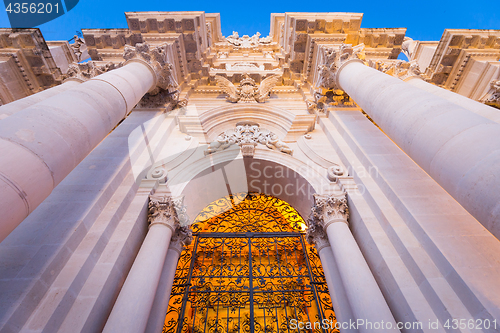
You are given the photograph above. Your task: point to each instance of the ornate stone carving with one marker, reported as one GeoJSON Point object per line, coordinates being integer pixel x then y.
{"type": "Point", "coordinates": [181, 211]}
{"type": "Point", "coordinates": [247, 90]}
{"type": "Point", "coordinates": [333, 172]}
{"type": "Point", "coordinates": [315, 234]}
{"type": "Point", "coordinates": [209, 33]}
{"type": "Point", "coordinates": [329, 209]}
{"type": "Point", "coordinates": [162, 99]}
{"type": "Point", "coordinates": [332, 97]}
{"type": "Point", "coordinates": [78, 47]}
{"type": "Point", "coordinates": [408, 47]}
{"type": "Point", "coordinates": [156, 57]}
{"type": "Point", "coordinates": [246, 134]}
{"type": "Point", "coordinates": [333, 59]}
{"type": "Point", "coordinates": [493, 97]}
{"type": "Point", "coordinates": [247, 41]}
{"type": "Point", "coordinates": [162, 211]}
{"type": "Point", "coordinates": [89, 70]}
{"type": "Point", "coordinates": [399, 68]}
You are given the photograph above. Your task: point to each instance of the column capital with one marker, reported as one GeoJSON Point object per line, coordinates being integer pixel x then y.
{"type": "Point", "coordinates": [333, 60]}
{"type": "Point", "coordinates": [85, 71]}
{"type": "Point", "coordinates": [316, 235]}
{"type": "Point", "coordinates": [493, 96]}
{"type": "Point", "coordinates": [183, 236]}
{"type": "Point", "coordinates": [404, 70]}
{"type": "Point", "coordinates": [161, 210]}
{"type": "Point", "coordinates": [155, 57]}
{"type": "Point", "coordinates": [328, 209]}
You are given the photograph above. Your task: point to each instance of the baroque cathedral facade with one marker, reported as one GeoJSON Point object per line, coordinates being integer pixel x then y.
{"type": "Point", "coordinates": [163, 177]}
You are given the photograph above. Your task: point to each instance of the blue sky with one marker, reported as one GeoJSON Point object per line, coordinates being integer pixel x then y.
{"type": "Point", "coordinates": [425, 20]}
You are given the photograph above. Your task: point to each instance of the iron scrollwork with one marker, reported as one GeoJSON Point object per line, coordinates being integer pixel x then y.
{"type": "Point", "coordinates": [249, 269]}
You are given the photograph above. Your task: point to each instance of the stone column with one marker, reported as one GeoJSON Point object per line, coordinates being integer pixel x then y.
{"type": "Point", "coordinates": [133, 305]}
{"type": "Point", "coordinates": [13, 107]}
{"type": "Point", "coordinates": [456, 147]}
{"type": "Point", "coordinates": [41, 144]}
{"type": "Point", "coordinates": [481, 109]}
{"type": "Point", "coordinates": [316, 235]}
{"type": "Point", "coordinates": [410, 72]}
{"type": "Point", "coordinates": [363, 293]}
{"type": "Point", "coordinates": [160, 304]}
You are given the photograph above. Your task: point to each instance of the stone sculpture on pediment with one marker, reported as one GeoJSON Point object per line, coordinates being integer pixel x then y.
{"type": "Point", "coordinates": [247, 41]}
{"type": "Point", "coordinates": [245, 134]}
{"type": "Point", "coordinates": [400, 68]}
{"type": "Point", "coordinates": [248, 91]}
{"type": "Point", "coordinates": [88, 70]}
{"type": "Point", "coordinates": [78, 47]}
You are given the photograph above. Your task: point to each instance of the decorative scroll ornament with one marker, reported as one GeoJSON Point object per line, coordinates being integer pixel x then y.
{"type": "Point", "coordinates": [156, 57]}
{"type": "Point", "coordinates": [332, 59]}
{"type": "Point", "coordinates": [162, 210]}
{"type": "Point", "coordinates": [246, 134]}
{"type": "Point", "coordinates": [328, 209]}
{"type": "Point", "coordinates": [399, 68]}
{"type": "Point", "coordinates": [247, 41]}
{"type": "Point", "coordinates": [247, 90]}
{"type": "Point", "coordinates": [89, 70]}
{"type": "Point", "coordinates": [493, 97]}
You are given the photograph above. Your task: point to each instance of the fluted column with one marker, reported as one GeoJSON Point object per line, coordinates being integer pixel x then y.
{"type": "Point", "coordinates": [316, 235]}
{"type": "Point", "coordinates": [160, 305]}
{"type": "Point", "coordinates": [133, 305]}
{"type": "Point", "coordinates": [363, 293]}
{"type": "Point", "coordinates": [456, 147]}
{"type": "Point", "coordinates": [42, 144]}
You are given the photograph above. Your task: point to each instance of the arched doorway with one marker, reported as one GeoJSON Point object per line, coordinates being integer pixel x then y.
{"type": "Point", "coordinates": [249, 269]}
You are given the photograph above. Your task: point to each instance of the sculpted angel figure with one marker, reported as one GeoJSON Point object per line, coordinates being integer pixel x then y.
{"type": "Point", "coordinates": [275, 143]}
{"type": "Point", "coordinates": [247, 91]}
{"type": "Point", "coordinates": [220, 143]}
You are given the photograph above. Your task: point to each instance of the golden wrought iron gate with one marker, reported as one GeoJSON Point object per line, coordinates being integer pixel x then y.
{"type": "Point", "coordinates": [249, 269]}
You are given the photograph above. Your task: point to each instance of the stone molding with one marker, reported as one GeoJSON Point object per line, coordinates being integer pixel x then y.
{"type": "Point", "coordinates": [334, 59]}
{"type": "Point", "coordinates": [400, 69]}
{"type": "Point", "coordinates": [156, 59]}
{"type": "Point", "coordinates": [246, 135]}
{"type": "Point", "coordinates": [329, 209]}
{"type": "Point", "coordinates": [85, 71]}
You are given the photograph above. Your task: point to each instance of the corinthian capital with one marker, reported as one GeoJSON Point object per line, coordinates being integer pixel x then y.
{"type": "Point", "coordinates": [493, 96]}
{"type": "Point", "coordinates": [156, 58]}
{"type": "Point", "coordinates": [88, 70]}
{"type": "Point", "coordinates": [316, 235]}
{"type": "Point", "coordinates": [162, 211]}
{"type": "Point", "coordinates": [400, 69]}
{"type": "Point", "coordinates": [329, 209]}
{"type": "Point", "coordinates": [333, 59]}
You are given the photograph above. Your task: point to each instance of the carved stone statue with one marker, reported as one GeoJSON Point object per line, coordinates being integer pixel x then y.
{"type": "Point", "coordinates": [78, 47]}
{"type": "Point", "coordinates": [247, 90]}
{"type": "Point", "coordinates": [248, 134]}
{"type": "Point", "coordinates": [88, 70]}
